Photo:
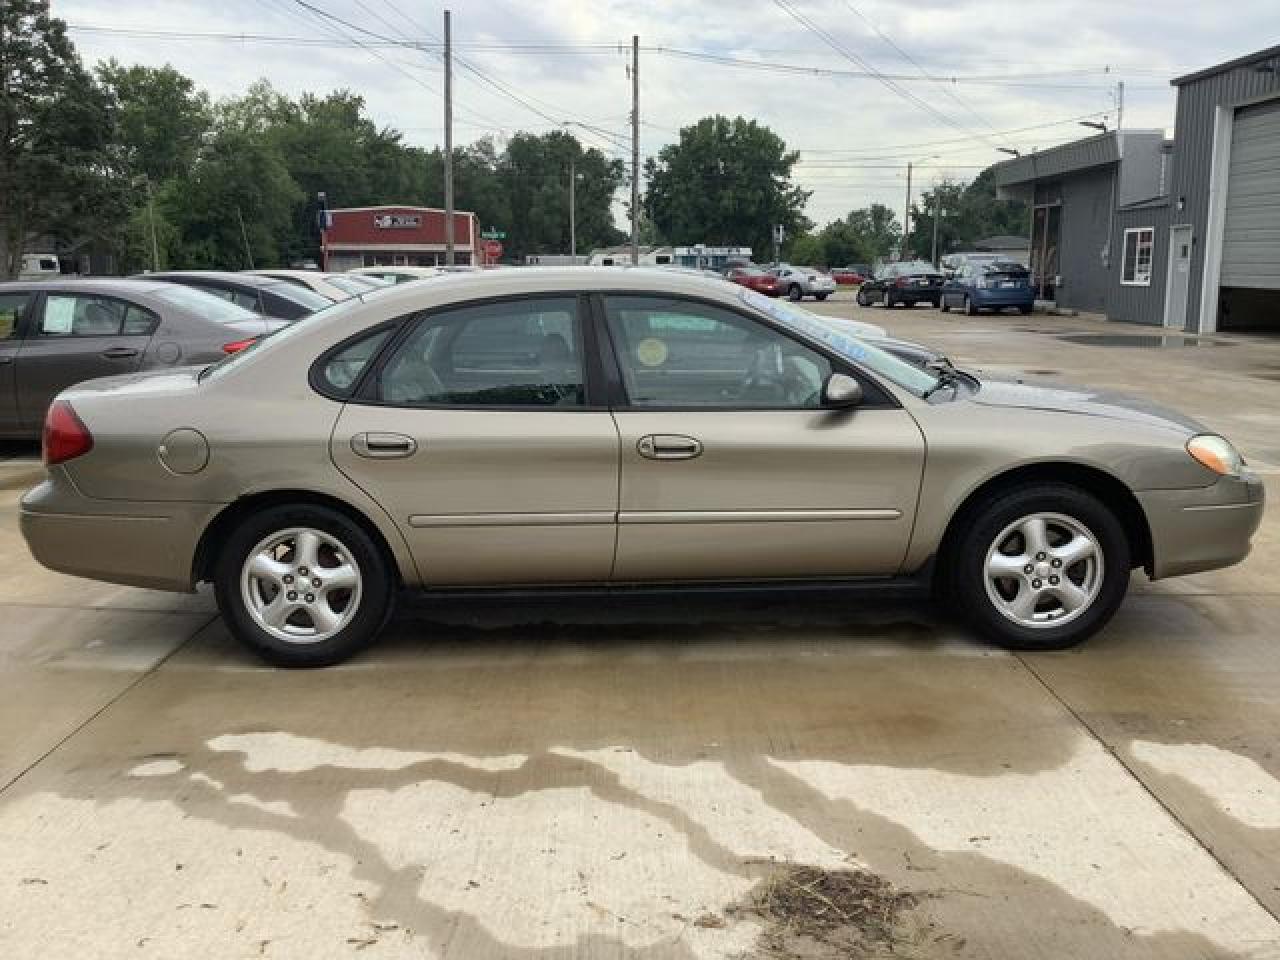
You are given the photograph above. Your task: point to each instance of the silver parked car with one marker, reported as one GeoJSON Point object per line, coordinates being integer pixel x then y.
{"type": "Point", "coordinates": [588, 428]}
{"type": "Point", "coordinates": [800, 282]}
{"type": "Point", "coordinates": [54, 333]}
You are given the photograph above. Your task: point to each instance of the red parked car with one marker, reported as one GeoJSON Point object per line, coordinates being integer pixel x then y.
{"type": "Point", "coordinates": [851, 276]}
{"type": "Point", "coordinates": [757, 279]}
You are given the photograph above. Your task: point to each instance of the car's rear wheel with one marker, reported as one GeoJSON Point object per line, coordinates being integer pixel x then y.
{"type": "Point", "coordinates": [794, 292]}
{"type": "Point", "coordinates": [969, 306]}
{"type": "Point", "coordinates": [303, 585]}
{"type": "Point", "coordinates": [820, 296]}
{"type": "Point", "coordinates": [1024, 311]}
{"type": "Point", "coordinates": [862, 299]}
{"type": "Point", "coordinates": [1041, 567]}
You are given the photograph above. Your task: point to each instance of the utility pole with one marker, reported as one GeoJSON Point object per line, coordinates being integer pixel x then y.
{"type": "Point", "coordinates": [1119, 104]}
{"type": "Point", "coordinates": [937, 215]}
{"type": "Point", "coordinates": [151, 216]}
{"type": "Point", "coordinates": [573, 229]}
{"type": "Point", "coordinates": [635, 149]}
{"type": "Point", "coordinates": [448, 141]}
{"type": "Point", "coordinates": [906, 217]}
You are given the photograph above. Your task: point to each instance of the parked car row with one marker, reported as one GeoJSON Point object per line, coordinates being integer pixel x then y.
{"type": "Point", "coordinates": [784, 280]}
{"type": "Point", "coordinates": [969, 281]}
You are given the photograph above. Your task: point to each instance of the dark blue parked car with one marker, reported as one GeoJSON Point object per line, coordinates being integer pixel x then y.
{"type": "Point", "coordinates": [988, 283]}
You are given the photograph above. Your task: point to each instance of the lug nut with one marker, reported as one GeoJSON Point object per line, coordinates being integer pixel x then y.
{"type": "Point", "coordinates": [1037, 584]}
{"type": "Point", "coordinates": [288, 578]}
{"type": "Point", "coordinates": [1054, 581]}
{"type": "Point", "coordinates": [1028, 569]}
{"type": "Point", "coordinates": [316, 582]}
{"type": "Point", "coordinates": [1039, 556]}
{"type": "Point", "coordinates": [311, 598]}
{"type": "Point", "coordinates": [292, 595]}
{"type": "Point", "coordinates": [1056, 563]}
{"type": "Point", "coordinates": [302, 571]}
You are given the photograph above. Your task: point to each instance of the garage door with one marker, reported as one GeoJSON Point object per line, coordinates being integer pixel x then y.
{"type": "Point", "coordinates": [1251, 238]}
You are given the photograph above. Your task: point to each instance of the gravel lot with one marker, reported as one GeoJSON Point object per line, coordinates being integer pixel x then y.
{"type": "Point", "coordinates": [684, 778]}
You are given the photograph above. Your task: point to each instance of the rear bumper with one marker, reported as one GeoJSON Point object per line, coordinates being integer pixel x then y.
{"type": "Point", "coordinates": [128, 542]}
{"type": "Point", "coordinates": [1203, 528]}
{"type": "Point", "coordinates": [1003, 298]}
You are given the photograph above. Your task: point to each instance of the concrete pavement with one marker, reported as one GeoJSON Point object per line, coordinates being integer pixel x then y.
{"type": "Point", "coordinates": [575, 779]}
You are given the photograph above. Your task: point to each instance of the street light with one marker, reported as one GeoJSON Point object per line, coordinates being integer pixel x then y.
{"type": "Point", "coordinates": [573, 210]}
{"type": "Point", "coordinates": [1094, 124]}
{"type": "Point", "coordinates": [1010, 151]}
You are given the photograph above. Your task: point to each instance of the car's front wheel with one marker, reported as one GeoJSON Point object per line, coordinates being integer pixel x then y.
{"type": "Point", "coordinates": [303, 585]}
{"type": "Point", "coordinates": [820, 296]}
{"type": "Point", "coordinates": [1041, 567]}
{"type": "Point", "coordinates": [794, 293]}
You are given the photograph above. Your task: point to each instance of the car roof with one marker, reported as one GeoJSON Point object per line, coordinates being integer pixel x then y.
{"type": "Point", "coordinates": [223, 276]}
{"type": "Point", "coordinates": [136, 285]}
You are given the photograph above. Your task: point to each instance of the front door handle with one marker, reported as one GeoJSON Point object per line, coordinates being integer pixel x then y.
{"type": "Point", "coordinates": [668, 446]}
{"type": "Point", "coordinates": [383, 446]}
{"type": "Point", "coordinates": [119, 353]}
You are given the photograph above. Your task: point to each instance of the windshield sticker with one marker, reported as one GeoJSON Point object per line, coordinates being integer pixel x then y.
{"type": "Point", "coordinates": [652, 352]}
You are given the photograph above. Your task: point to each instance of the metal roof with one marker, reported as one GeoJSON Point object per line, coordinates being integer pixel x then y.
{"type": "Point", "coordinates": [1071, 157]}
{"type": "Point", "coordinates": [1245, 61]}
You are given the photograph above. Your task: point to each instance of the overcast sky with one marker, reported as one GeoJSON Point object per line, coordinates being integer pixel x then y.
{"type": "Point", "coordinates": [962, 78]}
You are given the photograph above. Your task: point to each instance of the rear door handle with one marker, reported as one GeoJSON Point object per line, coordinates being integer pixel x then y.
{"type": "Point", "coordinates": [383, 446]}
{"type": "Point", "coordinates": [119, 353]}
{"type": "Point", "coordinates": [668, 446]}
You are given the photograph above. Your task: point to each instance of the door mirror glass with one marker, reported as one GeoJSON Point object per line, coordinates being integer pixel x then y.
{"type": "Point", "coordinates": [841, 391]}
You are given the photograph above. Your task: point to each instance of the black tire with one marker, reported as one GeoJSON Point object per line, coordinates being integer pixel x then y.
{"type": "Point", "coordinates": [376, 598]}
{"type": "Point", "coordinates": [963, 576]}
{"type": "Point", "coordinates": [944, 306]}
{"type": "Point", "coordinates": [1025, 311]}
{"type": "Point", "coordinates": [889, 302]}
{"type": "Point", "coordinates": [862, 299]}
{"type": "Point", "coordinates": [820, 296]}
{"type": "Point", "coordinates": [794, 293]}
{"type": "Point", "coordinates": [937, 302]}
{"type": "Point", "coordinates": [969, 308]}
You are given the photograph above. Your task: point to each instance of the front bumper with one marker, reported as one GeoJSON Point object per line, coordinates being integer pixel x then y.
{"type": "Point", "coordinates": [120, 541]}
{"type": "Point", "coordinates": [1203, 528]}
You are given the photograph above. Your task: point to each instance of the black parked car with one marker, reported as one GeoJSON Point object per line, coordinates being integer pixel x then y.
{"type": "Point", "coordinates": [268, 296]}
{"type": "Point", "coordinates": [55, 333]}
{"type": "Point", "coordinates": [907, 282]}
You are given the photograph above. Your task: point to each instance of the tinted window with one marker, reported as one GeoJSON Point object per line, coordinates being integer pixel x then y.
{"type": "Point", "coordinates": [343, 369]}
{"type": "Point", "coordinates": [86, 315]}
{"type": "Point", "coordinates": [12, 308]}
{"type": "Point", "coordinates": [303, 296]}
{"type": "Point", "coordinates": [677, 353]}
{"type": "Point", "coordinates": [518, 353]}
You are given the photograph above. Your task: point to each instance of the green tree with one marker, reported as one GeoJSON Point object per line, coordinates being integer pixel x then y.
{"type": "Point", "coordinates": [160, 118]}
{"type": "Point", "coordinates": [55, 123]}
{"type": "Point", "coordinates": [725, 182]}
{"type": "Point", "coordinates": [970, 212]}
{"type": "Point", "coordinates": [534, 172]}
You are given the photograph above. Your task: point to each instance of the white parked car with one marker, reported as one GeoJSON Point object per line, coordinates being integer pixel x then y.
{"type": "Point", "coordinates": [397, 274]}
{"type": "Point", "coordinates": [334, 286]}
{"type": "Point", "coordinates": [800, 282]}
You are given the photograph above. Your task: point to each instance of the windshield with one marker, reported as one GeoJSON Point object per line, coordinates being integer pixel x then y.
{"type": "Point", "coordinates": [302, 296]}
{"type": "Point", "coordinates": [202, 303]}
{"type": "Point", "coordinates": [855, 349]}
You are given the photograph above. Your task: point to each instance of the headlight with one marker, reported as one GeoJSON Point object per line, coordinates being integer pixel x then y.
{"type": "Point", "coordinates": [1216, 453]}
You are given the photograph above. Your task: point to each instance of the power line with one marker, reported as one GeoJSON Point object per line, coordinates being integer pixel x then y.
{"type": "Point", "coordinates": [892, 85]}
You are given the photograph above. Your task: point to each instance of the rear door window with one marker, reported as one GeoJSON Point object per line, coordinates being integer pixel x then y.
{"type": "Point", "coordinates": [88, 315]}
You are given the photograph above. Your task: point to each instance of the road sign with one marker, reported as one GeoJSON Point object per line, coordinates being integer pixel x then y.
{"type": "Point", "coordinates": [492, 251]}
{"type": "Point", "coordinates": [492, 234]}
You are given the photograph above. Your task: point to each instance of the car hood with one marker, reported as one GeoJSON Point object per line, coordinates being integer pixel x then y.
{"type": "Point", "coordinates": [1085, 401]}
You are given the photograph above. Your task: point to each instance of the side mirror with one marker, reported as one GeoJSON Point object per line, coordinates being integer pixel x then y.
{"type": "Point", "coordinates": [841, 391]}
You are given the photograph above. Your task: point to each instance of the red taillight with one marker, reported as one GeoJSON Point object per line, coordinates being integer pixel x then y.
{"type": "Point", "coordinates": [65, 435]}
{"type": "Point", "coordinates": [235, 346]}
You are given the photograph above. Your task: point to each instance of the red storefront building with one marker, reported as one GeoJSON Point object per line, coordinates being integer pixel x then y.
{"type": "Point", "coordinates": [397, 236]}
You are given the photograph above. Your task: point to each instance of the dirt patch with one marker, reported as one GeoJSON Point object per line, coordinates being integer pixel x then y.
{"type": "Point", "coordinates": [850, 914]}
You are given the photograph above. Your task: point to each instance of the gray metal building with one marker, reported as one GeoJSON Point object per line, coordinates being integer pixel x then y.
{"type": "Point", "coordinates": [1184, 234]}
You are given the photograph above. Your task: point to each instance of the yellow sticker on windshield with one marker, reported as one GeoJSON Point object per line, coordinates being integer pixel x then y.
{"type": "Point", "coordinates": [652, 352]}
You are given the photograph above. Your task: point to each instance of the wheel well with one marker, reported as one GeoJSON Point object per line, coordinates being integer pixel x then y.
{"type": "Point", "coordinates": [1108, 489]}
{"type": "Point", "coordinates": [216, 533]}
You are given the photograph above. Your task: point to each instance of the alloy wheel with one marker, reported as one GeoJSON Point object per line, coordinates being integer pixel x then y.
{"type": "Point", "coordinates": [301, 585]}
{"type": "Point", "coordinates": [1044, 570]}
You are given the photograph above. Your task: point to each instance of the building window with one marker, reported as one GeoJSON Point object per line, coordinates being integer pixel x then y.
{"type": "Point", "coordinates": [1135, 271]}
